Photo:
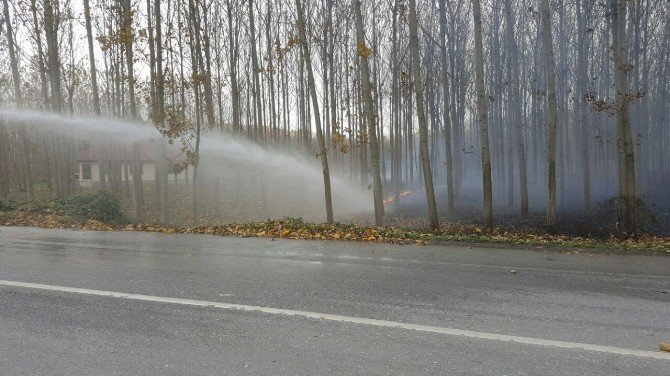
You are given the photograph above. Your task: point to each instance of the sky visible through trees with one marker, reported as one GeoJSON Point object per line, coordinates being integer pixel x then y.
{"type": "Point", "coordinates": [494, 107]}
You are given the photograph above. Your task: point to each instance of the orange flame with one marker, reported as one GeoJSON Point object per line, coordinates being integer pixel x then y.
{"type": "Point", "coordinates": [389, 199]}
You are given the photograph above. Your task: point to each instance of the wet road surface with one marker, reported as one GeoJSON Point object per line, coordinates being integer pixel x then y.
{"type": "Point", "coordinates": [105, 303]}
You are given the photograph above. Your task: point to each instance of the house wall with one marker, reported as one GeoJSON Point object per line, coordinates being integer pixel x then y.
{"type": "Point", "coordinates": [148, 174]}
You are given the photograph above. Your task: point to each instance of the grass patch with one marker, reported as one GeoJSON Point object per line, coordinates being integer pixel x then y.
{"type": "Point", "coordinates": [101, 206]}
{"type": "Point", "coordinates": [6, 205]}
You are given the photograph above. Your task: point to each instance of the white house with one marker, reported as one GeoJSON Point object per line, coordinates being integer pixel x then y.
{"type": "Point", "coordinates": [95, 158]}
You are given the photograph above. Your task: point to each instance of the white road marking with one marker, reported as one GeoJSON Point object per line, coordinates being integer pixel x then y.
{"type": "Point", "coordinates": [348, 319]}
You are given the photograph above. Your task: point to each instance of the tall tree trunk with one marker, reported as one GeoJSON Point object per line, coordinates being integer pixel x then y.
{"type": "Point", "coordinates": [552, 103]}
{"type": "Point", "coordinates": [40, 55]}
{"type": "Point", "coordinates": [334, 126]}
{"type": "Point", "coordinates": [91, 59]}
{"type": "Point", "coordinates": [159, 112]}
{"type": "Point", "coordinates": [232, 60]}
{"type": "Point", "coordinates": [18, 98]}
{"type": "Point", "coordinates": [317, 116]}
{"type": "Point", "coordinates": [421, 114]}
{"type": "Point", "coordinates": [482, 109]}
{"type": "Point", "coordinates": [27, 164]}
{"type": "Point", "coordinates": [51, 31]}
{"type": "Point", "coordinates": [274, 118]}
{"type": "Point", "coordinates": [364, 53]}
{"type": "Point", "coordinates": [204, 62]}
{"type": "Point", "coordinates": [4, 165]}
{"type": "Point", "coordinates": [396, 174]}
{"type": "Point", "coordinates": [258, 110]}
{"type": "Point", "coordinates": [127, 36]}
{"type": "Point", "coordinates": [583, 10]}
{"type": "Point", "coordinates": [16, 77]}
{"type": "Point", "coordinates": [137, 182]}
{"type": "Point", "coordinates": [152, 72]}
{"type": "Point", "coordinates": [514, 100]}
{"type": "Point", "coordinates": [446, 118]}
{"type": "Point", "coordinates": [194, 42]}
{"type": "Point", "coordinates": [625, 146]}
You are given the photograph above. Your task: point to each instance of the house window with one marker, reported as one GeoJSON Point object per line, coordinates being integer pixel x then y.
{"type": "Point", "coordinates": [86, 171]}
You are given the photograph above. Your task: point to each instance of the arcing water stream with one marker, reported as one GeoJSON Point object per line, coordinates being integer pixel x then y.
{"type": "Point", "coordinates": [287, 184]}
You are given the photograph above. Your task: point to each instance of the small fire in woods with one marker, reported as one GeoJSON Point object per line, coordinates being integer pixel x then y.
{"type": "Point", "coordinates": [391, 198]}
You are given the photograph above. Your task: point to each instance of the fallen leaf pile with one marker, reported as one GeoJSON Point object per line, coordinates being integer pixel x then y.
{"type": "Point", "coordinates": [291, 228]}
{"type": "Point", "coordinates": [51, 220]}
{"type": "Point", "coordinates": [294, 229]}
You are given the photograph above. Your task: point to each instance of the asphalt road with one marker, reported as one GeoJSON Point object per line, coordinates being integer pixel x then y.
{"type": "Point", "coordinates": [106, 303]}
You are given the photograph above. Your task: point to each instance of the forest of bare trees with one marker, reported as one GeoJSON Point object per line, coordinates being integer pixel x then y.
{"type": "Point", "coordinates": [499, 107]}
